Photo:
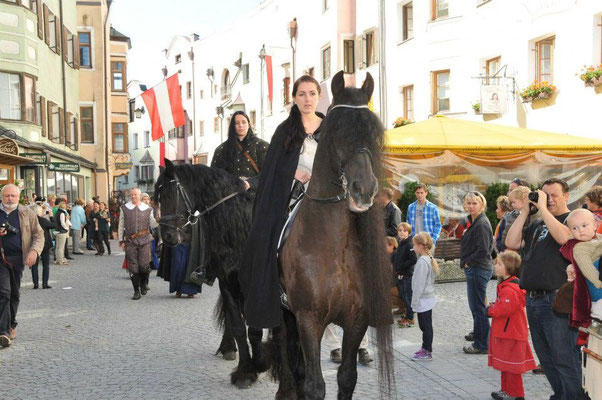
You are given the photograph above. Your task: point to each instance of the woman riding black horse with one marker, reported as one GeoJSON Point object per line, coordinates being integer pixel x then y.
{"type": "Point", "coordinates": [243, 154]}
{"type": "Point", "coordinates": [290, 157]}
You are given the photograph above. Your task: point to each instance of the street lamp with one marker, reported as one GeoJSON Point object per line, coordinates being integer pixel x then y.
{"type": "Point", "coordinates": [262, 58]}
{"type": "Point", "coordinates": [139, 112]}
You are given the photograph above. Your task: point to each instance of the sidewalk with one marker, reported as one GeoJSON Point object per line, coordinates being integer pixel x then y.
{"type": "Point", "coordinates": [86, 339]}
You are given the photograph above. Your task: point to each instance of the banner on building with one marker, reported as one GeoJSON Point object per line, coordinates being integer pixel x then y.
{"type": "Point", "coordinates": [268, 70]}
{"type": "Point", "coordinates": [493, 99]}
{"type": "Point", "coordinates": [164, 105]}
{"type": "Point", "coordinates": [63, 167]}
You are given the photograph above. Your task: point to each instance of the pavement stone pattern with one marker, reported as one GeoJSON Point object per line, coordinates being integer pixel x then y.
{"type": "Point", "coordinates": [93, 342]}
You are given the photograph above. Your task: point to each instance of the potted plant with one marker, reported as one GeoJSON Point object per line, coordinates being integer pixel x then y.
{"type": "Point", "coordinates": [477, 108]}
{"type": "Point", "coordinates": [537, 91]}
{"type": "Point", "coordinates": [591, 76]}
{"type": "Point", "coordinates": [401, 121]}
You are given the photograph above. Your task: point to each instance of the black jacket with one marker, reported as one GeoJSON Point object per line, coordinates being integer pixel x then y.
{"type": "Point", "coordinates": [240, 165]}
{"type": "Point", "coordinates": [57, 220]}
{"type": "Point", "coordinates": [258, 274]}
{"type": "Point", "coordinates": [477, 244]}
{"type": "Point", "coordinates": [392, 219]}
{"type": "Point", "coordinates": [47, 225]}
{"type": "Point", "coordinates": [404, 258]}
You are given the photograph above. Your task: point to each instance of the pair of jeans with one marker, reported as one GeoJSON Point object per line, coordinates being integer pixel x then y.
{"type": "Point", "coordinates": [45, 258]}
{"type": "Point", "coordinates": [15, 275]}
{"type": "Point", "coordinates": [405, 292]}
{"type": "Point", "coordinates": [425, 322]}
{"type": "Point", "coordinates": [476, 290]}
{"type": "Point", "coordinates": [555, 344]}
{"type": "Point", "coordinates": [90, 236]}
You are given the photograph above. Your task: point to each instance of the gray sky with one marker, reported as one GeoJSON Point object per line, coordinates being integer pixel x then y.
{"type": "Point", "coordinates": [151, 24]}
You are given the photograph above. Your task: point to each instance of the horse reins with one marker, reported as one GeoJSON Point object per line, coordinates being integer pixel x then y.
{"type": "Point", "coordinates": [342, 177]}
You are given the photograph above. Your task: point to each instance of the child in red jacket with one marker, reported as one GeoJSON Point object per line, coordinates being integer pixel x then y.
{"type": "Point", "coordinates": [509, 350]}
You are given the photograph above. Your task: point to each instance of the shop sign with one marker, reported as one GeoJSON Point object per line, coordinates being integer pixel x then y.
{"type": "Point", "coordinates": [63, 167]}
{"type": "Point", "coordinates": [124, 165]}
{"type": "Point", "coordinates": [38, 158]}
{"type": "Point", "coordinates": [9, 146]}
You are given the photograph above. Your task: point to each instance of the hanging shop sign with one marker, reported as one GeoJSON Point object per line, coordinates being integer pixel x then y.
{"type": "Point", "coordinates": [38, 158]}
{"type": "Point", "coordinates": [63, 167]}
{"type": "Point", "coordinates": [493, 99]}
{"type": "Point", "coordinates": [124, 165]}
{"type": "Point", "coordinates": [9, 146]}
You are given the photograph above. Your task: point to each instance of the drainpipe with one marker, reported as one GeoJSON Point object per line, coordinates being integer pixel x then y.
{"type": "Point", "coordinates": [262, 58]}
{"type": "Point", "coordinates": [382, 82]}
{"type": "Point", "coordinates": [64, 74]}
{"type": "Point", "coordinates": [106, 105]}
{"type": "Point", "coordinates": [193, 106]}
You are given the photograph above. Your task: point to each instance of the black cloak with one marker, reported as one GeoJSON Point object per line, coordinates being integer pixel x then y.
{"type": "Point", "coordinates": [258, 274]}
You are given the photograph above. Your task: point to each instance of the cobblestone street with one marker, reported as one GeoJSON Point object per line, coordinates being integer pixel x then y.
{"type": "Point", "coordinates": [86, 339]}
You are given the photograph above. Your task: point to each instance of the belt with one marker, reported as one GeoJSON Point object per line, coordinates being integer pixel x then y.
{"type": "Point", "coordinates": [539, 293]}
{"type": "Point", "coordinates": [137, 234]}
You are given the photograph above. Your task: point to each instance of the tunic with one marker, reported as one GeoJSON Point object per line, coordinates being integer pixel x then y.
{"type": "Point", "coordinates": [134, 220]}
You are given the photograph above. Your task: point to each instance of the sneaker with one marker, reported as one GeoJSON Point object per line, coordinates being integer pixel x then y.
{"type": "Point", "coordinates": [469, 337]}
{"type": "Point", "coordinates": [336, 357]}
{"type": "Point", "coordinates": [424, 355]}
{"type": "Point", "coordinates": [364, 357]}
{"type": "Point", "coordinates": [473, 350]}
{"type": "Point", "coordinates": [406, 323]}
{"type": "Point", "coordinates": [419, 351]}
{"type": "Point", "coordinates": [4, 341]}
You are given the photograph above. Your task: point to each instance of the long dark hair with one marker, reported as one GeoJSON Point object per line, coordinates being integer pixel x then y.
{"type": "Point", "coordinates": [294, 125]}
{"type": "Point", "coordinates": [230, 148]}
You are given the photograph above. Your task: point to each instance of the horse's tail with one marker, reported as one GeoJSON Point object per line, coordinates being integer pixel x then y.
{"type": "Point", "coordinates": [219, 313]}
{"type": "Point", "coordinates": [376, 278]}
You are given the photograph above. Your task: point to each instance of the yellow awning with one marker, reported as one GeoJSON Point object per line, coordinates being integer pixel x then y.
{"type": "Point", "coordinates": [441, 133]}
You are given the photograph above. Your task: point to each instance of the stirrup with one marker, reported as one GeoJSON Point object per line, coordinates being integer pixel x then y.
{"type": "Point", "coordinates": [198, 276]}
{"type": "Point", "coordinates": [284, 299]}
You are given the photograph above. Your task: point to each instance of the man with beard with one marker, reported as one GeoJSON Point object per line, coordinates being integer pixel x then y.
{"type": "Point", "coordinates": [22, 241]}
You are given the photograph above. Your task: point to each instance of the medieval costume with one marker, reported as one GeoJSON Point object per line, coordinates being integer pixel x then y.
{"type": "Point", "coordinates": [135, 222]}
{"type": "Point", "coordinates": [258, 274]}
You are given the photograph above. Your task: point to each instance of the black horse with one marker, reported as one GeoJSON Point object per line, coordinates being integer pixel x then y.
{"type": "Point", "coordinates": [182, 191]}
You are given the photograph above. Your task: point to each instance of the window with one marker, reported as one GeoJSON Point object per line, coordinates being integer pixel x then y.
{"type": "Point", "coordinates": [253, 118]}
{"type": "Point", "coordinates": [180, 131]}
{"type": "Point", "coordinates": [171, 133]}
{"type": "Point", "coordinates": [492, 67]}
{"type": "Point", "coordinates": [87, 123]}
{"type": "Point", "coordinates": [119, 137]}
{"type": "Point", "coordinates": [52, 30]}
{"type": "Point", "coordinates": [135, 141]}
{"type": "Point", "coordinates": [126, 179]}
{"type": "Point", "coordinates": [286, 84]}
{"type": "Point", "coordinates": [137, 172]}
{"type": "Point", "coordinates": [544, 50]}
{"type": "Point", "coordinates": [326, 63]}
{"type": "Point", "coordinates": [408, 21]}
{"type": "Point", "coordinates": [188, 90]}
{"type": "Point", "coordinates": [37, 9]}
{"type": "Point", "coordinates": [17, 97]}
{"type": "Point", "coordinates": [440, 91]}
{"type": "Point", "coordinates": [371, 49]}
{"type": "Point", "coordinates": [226, 88]}
{"type": "Point", "coordinates": [439, 8]}
{"type": "Point", "coordinates": [349, 56]}
{"type": "Point", "coordinates": [178, 58]}
{"type": "Point", "coordinates": [245, 73]}
{"type": "Point", "coordinates": [146, 172]}
{"type": "Point", "coordinates": [85, 50]}
{"type": "Point", "coordinates": [132, 110]}
{"type": "Point", "coordinates": [146, 139]}
{"type": "Point", "coordinates": [118, 74]}
{"type": "Point", "coordinates": [408, 102]}
{"type": "Point", "coordinates": [55, 130]}
{"type": "Point", "coordinates": [202, 128]}
{"type": "Point", "coordinates": [10, 96]}
{"type": "Point", "coordinates": [189, 127]}
{"type": "Point", "coordinates": [215, 125]}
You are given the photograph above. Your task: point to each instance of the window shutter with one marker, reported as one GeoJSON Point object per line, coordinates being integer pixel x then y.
{"type": "Point", "coordinates": [61, 126]}
{"type": "Point", "coordinates": [65, 44]}
{"type": "Point", "coordinates": [50, 132]}
{"type": "Point", "coordinates": [76, 135]}
{"type": "Point", "coordinates": [75, 52]}
{"type": "Point", "coordinates": [40, 19]}
{"type": "Point", "coordinates": [359, 52]}
{"type": "Point", "coordinates": [68, 132]}
{"type": "Point", "coordinates": [376, 45]}
{"type": "Point", "coordinates": [43, 115]}
{"type": "Point", "coordinates": [58, 30]}
{"type": "Point", "coordinates": [46, 26]}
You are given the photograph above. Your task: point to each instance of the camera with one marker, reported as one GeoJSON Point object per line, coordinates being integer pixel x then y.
{"type": "Point", "coordinates": [9, 228]}
{"type": "Point", "coordinates": [534, 197]}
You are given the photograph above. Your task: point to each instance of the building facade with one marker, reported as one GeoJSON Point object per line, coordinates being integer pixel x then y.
{"type": "Point", "coordinates": [39, 111]}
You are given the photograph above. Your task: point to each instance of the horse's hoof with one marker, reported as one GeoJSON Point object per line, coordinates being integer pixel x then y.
{"type": "Point", "coordinates": [244, 383]}
{"type": "Point", "coordinates": [229, 355]}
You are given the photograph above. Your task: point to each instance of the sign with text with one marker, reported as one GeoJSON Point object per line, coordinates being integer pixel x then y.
{"type": "Point", "coordinates": [63, 167]}
{"type": "Point", "coordinates": [38, 158]}
{"type": "Point", "coordinates": [123, 165]}
{"type": "Point", "coordinates": [493, 99]}
{"type": "Point", "coordinates": [9, 146]}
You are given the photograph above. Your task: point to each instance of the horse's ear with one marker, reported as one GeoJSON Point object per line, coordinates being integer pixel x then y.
{"type": "Point", "coordinates": [368, 86]}
{"type": "Point", "coordinates": [338, 84]}
{"type": "Point", "coordinates": [169, 167]}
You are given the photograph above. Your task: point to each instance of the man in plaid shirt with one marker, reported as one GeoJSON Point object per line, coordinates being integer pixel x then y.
{"type": "Point", "coordinates": [424, 215]}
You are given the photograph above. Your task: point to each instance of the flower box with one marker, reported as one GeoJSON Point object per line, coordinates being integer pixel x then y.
{"type": "Point", "coordinates": [591, 76]}
{"type": "Point", "coordinates": [594, 82]}
{"type": "Point", "coordinates": [537, 91]}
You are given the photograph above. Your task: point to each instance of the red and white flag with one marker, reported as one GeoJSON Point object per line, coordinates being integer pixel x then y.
{"type": "Point", "coordinates": [164, 105]}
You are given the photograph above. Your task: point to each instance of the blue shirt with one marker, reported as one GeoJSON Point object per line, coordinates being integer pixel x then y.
{"type": "Point", "coordinates": [78, 217]}
{"type": "Point", "coordinates": [431, 223]}
{"type": "Point", "coordinates": [11, 243]}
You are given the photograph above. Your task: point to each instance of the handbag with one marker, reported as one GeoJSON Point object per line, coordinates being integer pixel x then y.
{"type": "Point", "coordinates": [563, 303]}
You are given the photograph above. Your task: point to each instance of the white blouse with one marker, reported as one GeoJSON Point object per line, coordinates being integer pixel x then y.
{"type": "Point", "coordinates": [307, 155]}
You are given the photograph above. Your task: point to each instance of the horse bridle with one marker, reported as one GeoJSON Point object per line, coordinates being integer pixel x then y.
{"type": "Point", "coordinates": [342, 183]}
{"type": "Point", "coordinates": [192, 215]}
